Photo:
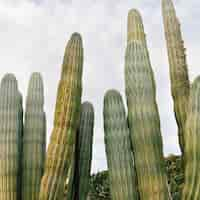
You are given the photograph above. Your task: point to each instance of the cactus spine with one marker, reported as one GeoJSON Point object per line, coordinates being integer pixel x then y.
{"type": "Point", "coordinates": [178, 67]}
{"type": "Point", "coordinates": [84, 151]}
{"type": "Point", "coordinates": [118, 148]}
{"type": "Point", "coordinates": [191, 189]}
{"type": "Point", "coordinates": [60, 150]}
{"type": "Point", "coordinates": [34, 139]}
{"type": "Point", "coordinates": [143, 116]}
{"type": "Point", "coordinates": [11, 125]}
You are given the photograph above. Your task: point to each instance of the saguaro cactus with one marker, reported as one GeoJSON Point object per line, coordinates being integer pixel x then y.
{"type": "Point", "coordinates": [118, 149]}
{"type": "Point", "coordinates": [191, 189]}
{"type": "Point", "coordinates": [178, 67]}
{"type": "Point", "coordinates": [84, 151]}
{"type": "Point", "coordinates": [11, 125]}
{"type": "Point", "coordinates": [143, 116]}
{"type": "Point", "coordinates": [34, 139]}
{"type": "Point", "coordinates": [60, 150]}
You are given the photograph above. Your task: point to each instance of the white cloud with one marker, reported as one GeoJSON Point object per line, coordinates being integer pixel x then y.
{"type": "Point", "coordinates": [34, 34]}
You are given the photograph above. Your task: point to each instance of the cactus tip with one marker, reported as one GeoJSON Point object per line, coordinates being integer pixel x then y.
{"type": "Point", "coordinates": [76, 36]}
{"type": "Point", "coordinates": [36, 77]}
{"type": "Point", "coordinates": [135, 26]}
{"type": "Point", "coordinates": [112, 93]}
{"type": "Point", "coordinates": [9, 78]}
{"type": "Point", "coordinates": [167, 4]}
{"type": "Point", "coordinates": [87, 105]}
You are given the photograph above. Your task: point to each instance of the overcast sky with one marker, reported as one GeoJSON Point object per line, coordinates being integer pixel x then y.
{"type": "Point", "coordinates": [33, 35]}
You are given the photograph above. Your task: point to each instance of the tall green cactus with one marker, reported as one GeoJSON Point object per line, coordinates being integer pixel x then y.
{"type": "Point", "coordinates": [191, 190]}
{"type": "Point", "coordinates": [178, 67]}
{"type": "Point", "coordinates": [11, 126]}
{"type": "Point", "coordinates": [84, 152]}
{"type": "Point", "coordinates": [118, 148]}
{"type": "Point", "coordinates": [60, 150]}
{"type": "Point", "coordinates": [143, 117]}
{"type": "Point", "coordinates": [34, 139]}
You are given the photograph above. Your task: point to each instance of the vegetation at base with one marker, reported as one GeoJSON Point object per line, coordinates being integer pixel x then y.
{"type": "Point", "coordinates": [99, 183]}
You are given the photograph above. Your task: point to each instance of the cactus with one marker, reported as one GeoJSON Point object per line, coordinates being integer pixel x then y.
{"type": "Point", "coordinates": [60, 150]}
{"type": "Point", "coordinates": [11, 125]}
{"type": "Point", "coordinates": [69, 193]}
{"type": "Point", "coordinates": [134, 20]}
{"type": "Point", "coordinates": [191, 190]}
{"type": "Point", "coordinates": [178, 67]}
{"type": "Point", "coordinates": [143, 117]}
{"type": "Point", "coordinates": [118, 148]}
{"type": "Point", "coordinates": [84, 151]}
{"type": "Point", "coordinates": [34, 139]}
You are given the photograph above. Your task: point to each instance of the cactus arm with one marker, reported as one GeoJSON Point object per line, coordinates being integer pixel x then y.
{"type": "Point", "coordinates": [84, 151]}
{"type": "Point", "coordinates": [180, 85]}
{"type": "Point", "coordinates": [143, 115]}
{"type": "Point", "coordinates": [59, 153]}
{"type": "Point", "coordinates": [33, 139]}
{"type": "Point", "coordinates": [191, 190]}
{"type": "Point", "coordinates": [118, 149]}
{"type": "Point", "coordinates": [11, 126]}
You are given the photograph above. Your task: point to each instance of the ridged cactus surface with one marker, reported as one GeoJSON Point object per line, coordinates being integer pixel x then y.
{"type": "Point", "coordinates": [191, 189]}
{"type": "Point", "coordinates": [84, 151]}
{"type": "Point", "coordinates": [118, 149]}
{"type": "Point", "coordinates": [34, 139]}
{"type": "Point", "coordinates": [135, 27]}
{"type": "Point", "coordinates": [178, 67]}
{"type": "Point", "coordinates": [60, 150]}
{"type": "Point", "coordinates": [11, 126]}
{"type": "Point", "coordinates": [143, 117]}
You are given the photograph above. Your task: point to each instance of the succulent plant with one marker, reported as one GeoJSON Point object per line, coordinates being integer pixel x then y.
{"type": "Point", "coordinates": [118, 149]}
{"type": "Point", "coordinates": [191, 190]}
{"type": "Point", "coordinates": [180, 85]}
{"type": "Point", "coordinates": [11, 126]}
{"type": "Point", "coordinates": [143, 116]}
{"type": "Point", "coordinates": [60, 150]}
{"type": "Point", "coordinates": [34, 139]}
{"type": "Point", "coordinates": [83, 156]}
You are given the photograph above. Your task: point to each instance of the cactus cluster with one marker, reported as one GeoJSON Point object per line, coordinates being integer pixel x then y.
{"type": "Point", "coordinates": [34, 139]}
{"type": "Point", "coordinates": [143, 115]}
{"type": "Point", "coordinates": [19, 158]}
{"type": "Point", "coordinates": [118, 149]}
{"type": "Point", "coordinates": [180, 85]}
{"type": "Point", "coordinates": [134, 147]}
{"type": "Point", "coordinates": [60, 150]}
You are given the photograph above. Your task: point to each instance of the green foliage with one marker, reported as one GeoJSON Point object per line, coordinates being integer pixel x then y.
{"type": "Point", "coordinates": [99, 183]}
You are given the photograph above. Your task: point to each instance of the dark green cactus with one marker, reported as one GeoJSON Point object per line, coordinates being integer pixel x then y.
{"type": "Point", "coordinates": [60, 150]}
{"type": "Point", "coordinates": [191, 190]}
{"type": "Point", "coordinates": [11, 126]}
{"type": "Point", "coordinates": [180, 85]}
{"type": "Point", "coordinates": [143, 116]}
{"type": "Point", "coordinates": [118, 149]}
{"type": "Point", "coordinates": [84, 151]}
{"type": "Point", "coordinates": [34, 139]}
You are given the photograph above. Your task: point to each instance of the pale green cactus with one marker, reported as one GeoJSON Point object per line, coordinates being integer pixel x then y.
{"type": "Point", "coordinates": [143, 116]}
{"type": "Point", "coordinates": [122, 175]}
{"type": "Point", "coordinates": [34, 139]}
{"type": "Point", "coordinates": [11, 126]}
